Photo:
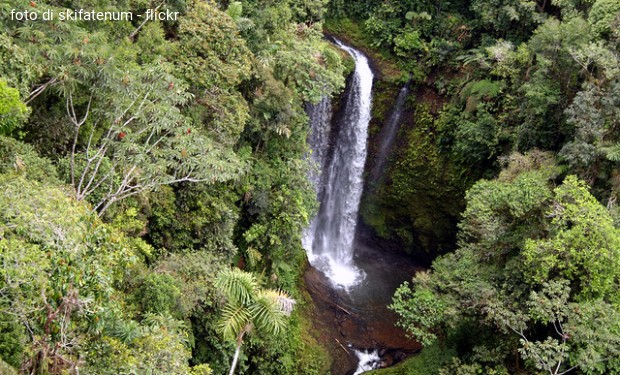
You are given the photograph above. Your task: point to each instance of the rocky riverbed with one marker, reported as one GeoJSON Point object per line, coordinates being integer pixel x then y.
{"type": "Point", "coordinates": [359, 318]}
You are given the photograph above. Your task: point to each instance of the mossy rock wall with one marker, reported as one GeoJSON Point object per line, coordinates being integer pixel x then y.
{"type": "Point", "coordinates": [417, 202]}
{"type": "Point", "coordinates": [416, 205]}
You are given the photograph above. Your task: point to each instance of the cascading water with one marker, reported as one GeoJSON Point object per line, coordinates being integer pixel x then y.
{"type": "Point", "coordinates": [329, 240]}
{"type": "Point", "coordinates": [368, 360]}
{"type": "Point", "coordinates": [389, 134]}
{"type": "Point", "coordinates": [320, 115]}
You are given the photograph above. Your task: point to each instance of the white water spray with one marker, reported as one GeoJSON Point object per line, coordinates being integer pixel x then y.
{"type": "Point", "coordinates": [329, 240]}
{"type": "Point", "coordinates": [368, 360]}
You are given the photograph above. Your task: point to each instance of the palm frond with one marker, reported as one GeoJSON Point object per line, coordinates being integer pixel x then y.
{"type": "Point", "coordinates": [270, 309]}
{"type": "Point", "coordinates": [267, 316]}
{"type": "Point", "coordinates": [126, 331]}
{"type": "Point", "coordinates": [238, 286]}
{"type": "Point", "coordinates": [164, 320]}
{"type": "Point", "coordinates": [234, 319]}
{"type": "Point", "coordinates": [283, 300]}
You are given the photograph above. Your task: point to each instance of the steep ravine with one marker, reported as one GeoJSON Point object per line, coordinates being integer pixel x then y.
{"type": "Point", "coordinates": [400, 236]}
{"type": "Point", "coordinates": [350, 313]}
{"type": "Point", "coordinates": [341, 325]}
{"type": "Point", "coordinates": [415, 207]}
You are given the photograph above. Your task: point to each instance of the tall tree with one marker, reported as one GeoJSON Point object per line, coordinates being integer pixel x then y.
{"type": "Point", "coordinates": [249, 307]}
{"type": "Point", "coordinates": [536, 273]}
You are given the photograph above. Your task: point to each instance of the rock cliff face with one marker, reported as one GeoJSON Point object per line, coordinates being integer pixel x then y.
{"type": "Point", "coordinates": [413, 200]}
{"type": "Point", "coordinates": [408, 213]}
{"type": "Point", "coordinates": [403, 178]}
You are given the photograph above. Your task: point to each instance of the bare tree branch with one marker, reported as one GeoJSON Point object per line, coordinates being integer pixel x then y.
{"type": "Point", "coordinates": [39, 90]}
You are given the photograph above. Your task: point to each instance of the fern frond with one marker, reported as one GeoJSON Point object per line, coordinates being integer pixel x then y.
{"type": "Point", "coordinates": [254, 256]}
{"type": "Point", "coordinates": [613, 152]}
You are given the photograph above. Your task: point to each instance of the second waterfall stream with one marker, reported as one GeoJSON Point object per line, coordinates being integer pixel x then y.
{"type": "Point", "coordinates": [329, 239]}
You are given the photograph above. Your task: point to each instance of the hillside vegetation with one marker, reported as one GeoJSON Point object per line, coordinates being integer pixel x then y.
{"type": "Point", "coordinates": [154, 183]}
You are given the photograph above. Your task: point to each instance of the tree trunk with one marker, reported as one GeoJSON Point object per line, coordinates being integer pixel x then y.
{"type": "Point", "coordinates": [237, 351]}
{"type": "Point", "coordinates": [235, 359]}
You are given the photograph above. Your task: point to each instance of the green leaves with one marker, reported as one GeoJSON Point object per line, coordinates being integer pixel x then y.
{"type": "Point", "coordinates": [248, 306]}
{"type": "Point", "coordinates": [501, 15]}
{"type": "Point", "coordinates": [212, 55]}
{"type": "Point", "coordinates": [60, 267]}
{"type": "Point", "coordinates": [546, 355]}
{"type": "Point", "coordinates": [13, 112]}
{"type": "Point", "coordinates": [584, 247]}
{"type": "Point", "coordinates": [420, 311]}
{"type": "Point", "coordinates": [602, 16]}
{"type": "Point", "coordinates": [409, 43]}
{"type": "Point", "coordinates": [594, 114]}
{"type": "Point", "coordinates": [500, 215]}
{"type": "Point", "coordinates": [533, 264]}
{"type": "Point", "coordinates": [140, 140]}
{"type": "Point", "coordinates": [123, 113]}
{"type": "Point", "coordinates": [235, 318]}
{"type": "Point", "coordinates": [239, 287]}
{"type": "Point", "coordinates": [21, 158]}
{"type": "Point", "coordinates": [235, 10]}
{"type": "Point", "coordinates": [549, 304]}
{"type": "Point", "coordinates": [593, 330]}
{"type": "Point", "coordinates": [269, 314]}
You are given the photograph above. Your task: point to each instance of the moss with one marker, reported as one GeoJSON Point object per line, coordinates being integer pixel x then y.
{"type": "Point", "coordinates": [306, 352]}
{"type": "Point", "coordinates": [421, 195]}
{"type": "Point", "coordinates": [429, 361]}
{"type": "Point", "coordinates": [313, 357]}
{"type": "Point", "coordinates": [419, 201]}
{"type": "Point", "coordinates": [383, 96]}
{"type": "Point", "coordinates": [300, 350]}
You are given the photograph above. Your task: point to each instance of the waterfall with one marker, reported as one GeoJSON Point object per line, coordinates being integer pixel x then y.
{"type": "Point", "coordinates": [329, 240]}
{"type": "Point", "coordinates": [389, 134]}
{"type": "Point", "coordinates": [320, 115]}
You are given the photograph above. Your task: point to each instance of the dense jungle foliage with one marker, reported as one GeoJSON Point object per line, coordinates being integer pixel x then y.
{"type": "Point", "coordinates": [139, 162]}
{"type": "Point", "coordinates": [154, 186]}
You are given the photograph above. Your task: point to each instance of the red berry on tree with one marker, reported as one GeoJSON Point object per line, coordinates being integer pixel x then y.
{"type": "Point", "coordinates": [121, 135]}
{"type": "Point", "coordinates": [189, 130]}
{"type": "Point", "coordinates": [33, 4]}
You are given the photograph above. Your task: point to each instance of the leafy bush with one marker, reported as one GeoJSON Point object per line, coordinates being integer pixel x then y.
{"type": "Point", "coordinates": [13, 113]}
{"type": "Point", "coordinates": [159, 294]}
{"type": "Point", "coordinates": [22, 159]}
